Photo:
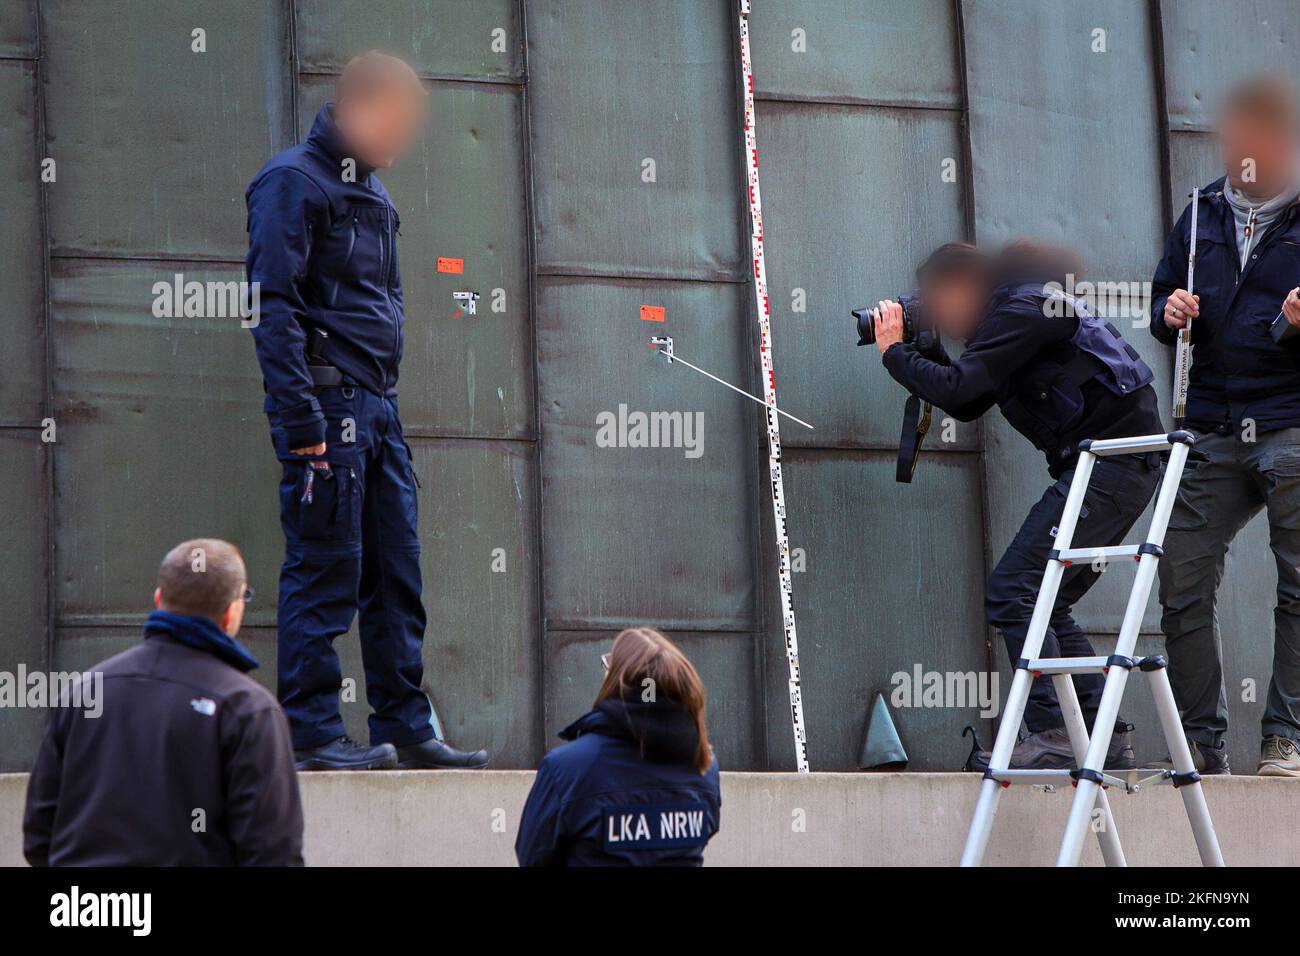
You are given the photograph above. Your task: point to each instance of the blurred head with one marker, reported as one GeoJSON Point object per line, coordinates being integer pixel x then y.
{"type": "Point", "coordinates": [1036, 261]}
{"type": "Point", "coordinates": [1258, 131]}
{"type": "Point", "coordinates": [204, 577]}
{"type": "Point", "coordinates": [379, 107]}
{"type": "Point", "coordinates": [642, 653]}
{"type": "Point", "coordinates": [954, 285]}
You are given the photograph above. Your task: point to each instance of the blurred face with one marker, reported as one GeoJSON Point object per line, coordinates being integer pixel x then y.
{"type": "Point", "coordinates": [954, 305]}
{"type": "Point", "coordinates": [381, 128]}
{"type": "Point", "coordinates": [1260, 159]}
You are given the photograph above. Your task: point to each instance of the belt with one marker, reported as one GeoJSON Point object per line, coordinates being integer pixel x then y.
{"type": "Point", "coordinates": [324, 376]}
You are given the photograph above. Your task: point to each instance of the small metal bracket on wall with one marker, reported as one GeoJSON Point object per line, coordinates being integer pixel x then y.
{"type": "Point", "coordinates": [466, 301]}
{"type": "Point", "coordinates": [666, 344]}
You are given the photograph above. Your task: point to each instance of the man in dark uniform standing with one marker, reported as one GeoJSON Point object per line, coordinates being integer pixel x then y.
{"type": "Point", "coordinates": [322, 249]}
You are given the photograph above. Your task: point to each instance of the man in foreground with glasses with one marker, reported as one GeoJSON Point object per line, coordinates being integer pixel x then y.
{"type": "Point", "coordinates": [188, 761]}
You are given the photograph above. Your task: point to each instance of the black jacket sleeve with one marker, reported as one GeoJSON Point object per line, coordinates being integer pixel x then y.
{"type": "Point", "coordinates": [284, 210]}
{"type": "Point", "coordinates": [263, 808]}
{"type": "Point", "coordinates": [1171, 274]}
{"type": "Point", "coordinates": [968, 387]}
{"type": "Point", "coordinates": [43, 794]}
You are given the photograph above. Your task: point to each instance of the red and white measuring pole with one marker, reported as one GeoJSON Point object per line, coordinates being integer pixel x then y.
{"type": "Point", "coordinates": [769, 395]}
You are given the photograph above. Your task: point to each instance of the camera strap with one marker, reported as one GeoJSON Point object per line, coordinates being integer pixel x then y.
{"type": "Point", "coordinates": [915, 426]}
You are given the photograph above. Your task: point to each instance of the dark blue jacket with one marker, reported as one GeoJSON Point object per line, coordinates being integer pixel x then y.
{"type": "Point", "coordinates": [625, 792]}
{"type": "Point", "coordinates": [324, 253]}
{"type": "Point", "coordinates": [1058, 373]}
{"type": "Point", "coordinates": [1238, 371]}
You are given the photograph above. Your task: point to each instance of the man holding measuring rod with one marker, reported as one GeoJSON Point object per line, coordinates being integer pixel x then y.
{"type": "Point", "coordinates": [1242, 401]}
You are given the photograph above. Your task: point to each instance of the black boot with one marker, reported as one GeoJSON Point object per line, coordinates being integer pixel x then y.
{"type": "Point", "coordinates": [434, 754]}
{"type": "Point", "coordinates": [346, 754]}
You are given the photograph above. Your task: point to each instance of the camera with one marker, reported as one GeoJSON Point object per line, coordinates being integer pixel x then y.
{"type": "Point", "coordinates": [912, 324]}
{"type": "Point", "coordinates": [916, 421]}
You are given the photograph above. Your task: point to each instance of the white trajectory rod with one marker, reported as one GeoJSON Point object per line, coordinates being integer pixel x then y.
{"type": "Point", "coordinates": [1183, 355]}
{"type": "Point", "coordinates": [674, 357]}
{"type": "Point", "coordinates": [769, 393]}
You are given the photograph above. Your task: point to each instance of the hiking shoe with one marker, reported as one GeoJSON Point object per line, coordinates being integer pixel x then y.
{"type": "Point", "coordinates": [1279, 757]}
{"type": "Point", "coordinates": [1051, 750]}
{"type": "Point", "coordinates": [1208, 761]}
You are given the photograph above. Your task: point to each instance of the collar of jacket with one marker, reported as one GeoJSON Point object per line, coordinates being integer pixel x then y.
{"type": "Point", "coordinates": [1025, 295]}
{"type": "Point", "coordinates": [1216, 195]}
{"type": "Point", "coordinates": [663, 729]}
{"type": "Point", "coordinates": [201, 634]}
{"type": "Point", "coordinates": [326, 137]}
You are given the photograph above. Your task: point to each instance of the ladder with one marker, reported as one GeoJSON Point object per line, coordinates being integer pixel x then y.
{"type": "Point", "coordinates": [1092, 780]}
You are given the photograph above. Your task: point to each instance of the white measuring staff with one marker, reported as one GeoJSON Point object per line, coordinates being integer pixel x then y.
{"type": "Point", "coordinates": [769, 393]}
{"type": "Point", "coordinates": [1183, 358]}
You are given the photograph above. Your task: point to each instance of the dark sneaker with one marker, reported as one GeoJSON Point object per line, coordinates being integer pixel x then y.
{"type": "Point", "coordinates": [1208, 761]}
{"type": "Point", "coordinates": [436, 754]}
{"type": "Point", "coordinates": [346, 754]}
{"type": "Point", "coordinates": [1279, 757]}
{"type": "Point", "coordinates": [1120, 756]}
{"type": "Point", "coordinates": [1051, 750]}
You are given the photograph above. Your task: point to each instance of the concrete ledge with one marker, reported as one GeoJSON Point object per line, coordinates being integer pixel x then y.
{"type": "Point", "coordinates": [411, 818]}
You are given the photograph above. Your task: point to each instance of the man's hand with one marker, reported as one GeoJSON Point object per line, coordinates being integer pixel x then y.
{"type": "Point", "coordinates": [889, 324]}
{"type": "Point", "coordinates": [313, 450]}
{"type": "Point", "coordinates": [1291, 307]}
{"type": "Point", "coordinates": [1181, 308]}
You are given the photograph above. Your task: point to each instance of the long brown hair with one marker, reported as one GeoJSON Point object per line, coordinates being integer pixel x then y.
{"type": "Point", "coordinates": [642, 653]}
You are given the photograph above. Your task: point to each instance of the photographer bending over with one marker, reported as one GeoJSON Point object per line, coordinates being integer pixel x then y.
{"type": "Point", "coordinates": [1059, 375]}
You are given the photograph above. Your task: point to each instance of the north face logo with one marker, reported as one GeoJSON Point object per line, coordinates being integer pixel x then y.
{"type": "Point", "coordinates": [204, 706]}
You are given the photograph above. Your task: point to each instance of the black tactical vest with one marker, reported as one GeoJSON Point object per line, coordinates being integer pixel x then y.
{"type": "Point", "coordinates": [1045, 400]}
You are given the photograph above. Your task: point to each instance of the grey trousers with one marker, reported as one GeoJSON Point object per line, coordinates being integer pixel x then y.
{"type": "Point", "coordinates": [1215, 500]}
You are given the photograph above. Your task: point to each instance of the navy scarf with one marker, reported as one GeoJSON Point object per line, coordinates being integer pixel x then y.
{"type": "Point", "coordinates": [202, 634]}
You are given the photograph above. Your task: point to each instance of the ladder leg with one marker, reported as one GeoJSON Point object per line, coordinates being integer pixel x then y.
{"type": "Point", "coordinates": [1108, 836]}
{"type": "Point", "coordinates": [1198, 813]}
{"type": "Point", "coordinates": [1085, 789]}
{"type": "Point", "coordinates": [1085, 793]}
{"type": "Point", "coordinates": [982, 823]}
{"type": "Point", "coordinates": [986, 807]}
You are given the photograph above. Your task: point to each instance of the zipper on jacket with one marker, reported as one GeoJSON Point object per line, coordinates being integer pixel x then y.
{"type": "Point", "coordinates": [352, 241]}
{"type": "Point", "coordinates": [388, 290]}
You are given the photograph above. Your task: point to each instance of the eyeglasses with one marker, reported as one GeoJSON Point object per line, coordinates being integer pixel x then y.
{"type": "Point", "coordinates": [246, 595]}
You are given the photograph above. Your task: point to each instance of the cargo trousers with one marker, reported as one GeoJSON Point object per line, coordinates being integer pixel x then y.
{"type": "Point", "coordinates": [1236, 480]}
{"type": "Point", "coordinates": [351, 547]}
{"type": "Point", "coordinates": [1118, 492]}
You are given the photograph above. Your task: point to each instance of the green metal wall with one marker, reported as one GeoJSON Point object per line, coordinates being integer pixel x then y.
{"type": "Point", "coordinates": [533, 173]}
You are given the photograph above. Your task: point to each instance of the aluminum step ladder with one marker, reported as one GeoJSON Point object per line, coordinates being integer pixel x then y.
{"type": "Point", "coordinates": [1092, 779]}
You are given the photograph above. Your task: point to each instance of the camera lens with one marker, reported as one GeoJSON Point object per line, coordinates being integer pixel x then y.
{"type": "Point", "coordinates": [866, 326]}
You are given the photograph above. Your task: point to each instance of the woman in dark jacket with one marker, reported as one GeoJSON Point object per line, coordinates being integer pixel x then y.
{"type": "Point", "coordinates": [637, 785]}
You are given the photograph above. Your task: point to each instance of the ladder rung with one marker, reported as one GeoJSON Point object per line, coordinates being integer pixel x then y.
{"type": "Point", "coordinates": [1041, 777]}
{"type": "Point", "coordinates": [1134, 446]}
{"type": "Point", "coordinates": [1073, 555]}
{"type": "Point", "coordinates": [1067, 665]}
